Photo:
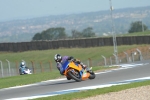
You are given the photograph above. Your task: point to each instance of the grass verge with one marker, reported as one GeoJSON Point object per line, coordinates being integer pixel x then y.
{"type": "Point", "coordinates": [48, 55]}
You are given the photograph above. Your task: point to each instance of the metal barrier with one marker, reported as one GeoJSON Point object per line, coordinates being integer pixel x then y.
{"type": "Point", "coordinates": [90, 42]}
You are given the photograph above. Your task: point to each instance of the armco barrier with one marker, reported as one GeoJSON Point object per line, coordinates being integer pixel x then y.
{"type": "Point", "coordinates": [90, 42]}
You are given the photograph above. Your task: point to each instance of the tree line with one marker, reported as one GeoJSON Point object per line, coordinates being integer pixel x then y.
{"type": "Point", "coordinates": [59, 32]}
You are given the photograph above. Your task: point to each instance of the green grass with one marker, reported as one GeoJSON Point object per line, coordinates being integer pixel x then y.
{"type": "Point", "coordinates": [27, 79]}
{"type": "Point", "coordinates": [94, 92]}
{"type": "Point", "coordinates": [48, 55]}
{"type": "Point", "coordinates": [137, 33]}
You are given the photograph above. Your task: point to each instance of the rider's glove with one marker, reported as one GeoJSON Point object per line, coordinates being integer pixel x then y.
{"type": "Point", "coordinates": [71, 58]}
{"type": "Point", "coordinates": [77, 61]}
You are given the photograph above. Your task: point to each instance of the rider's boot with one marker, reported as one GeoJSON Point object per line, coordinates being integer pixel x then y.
{"type": "Point", "coordinates": [85, 67]}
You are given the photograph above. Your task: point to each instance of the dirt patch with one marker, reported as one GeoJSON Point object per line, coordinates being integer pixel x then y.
{"type": "Point", "coordinates": [139, 93]}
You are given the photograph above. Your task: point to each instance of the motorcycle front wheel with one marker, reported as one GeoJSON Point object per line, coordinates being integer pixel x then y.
{"type": "Point", "coordinates": [75, 75]}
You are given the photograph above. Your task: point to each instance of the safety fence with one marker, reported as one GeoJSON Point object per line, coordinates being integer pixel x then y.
{"type": "Point", "coordinates": [9, 68]}
{"type": "Point", "coordinates": [90, 42]}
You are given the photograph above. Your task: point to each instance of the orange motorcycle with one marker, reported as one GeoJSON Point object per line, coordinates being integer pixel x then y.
{"type": "Point", "coordinates": [76, 72]}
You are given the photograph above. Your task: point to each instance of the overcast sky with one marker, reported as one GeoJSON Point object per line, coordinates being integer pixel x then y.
{"type": "Point", "coordinates": [22, 9]}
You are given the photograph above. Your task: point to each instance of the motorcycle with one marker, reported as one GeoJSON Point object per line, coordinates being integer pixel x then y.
{"type": "Point", "coordinates": [76, 72]}
{"type": "Point", "coordinates": [26, 70]}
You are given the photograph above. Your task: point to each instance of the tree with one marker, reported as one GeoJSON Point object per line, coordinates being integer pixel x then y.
{"type": "Point", "coordinates": [61, 33]}
{"type": "Point", "coordinates": [76, 34]}
{"type": "Point", "coordinates": [51, 34]}
{"type": "Point", "coordinates": [37, 36]}
{"type": "Point", "coordinates": [137, 27]}
{"type": "Point", "coordinates": [88, 32]}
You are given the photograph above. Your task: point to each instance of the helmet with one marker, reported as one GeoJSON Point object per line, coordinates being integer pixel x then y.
{"type": "Point", "coordinates": [22, 63]}
{"type": "Point", "coordinates": [57, 58]}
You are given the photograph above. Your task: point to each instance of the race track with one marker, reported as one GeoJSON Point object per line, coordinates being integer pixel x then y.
{"type": "Point", "coordinates": [126, 72]}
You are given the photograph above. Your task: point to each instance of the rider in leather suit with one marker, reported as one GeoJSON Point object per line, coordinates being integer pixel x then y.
{"type": "Point", "coordinates": [60, 61]}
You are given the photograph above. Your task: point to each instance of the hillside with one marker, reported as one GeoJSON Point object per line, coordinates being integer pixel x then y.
{"type": "Point", "coordinates": [24, 30]}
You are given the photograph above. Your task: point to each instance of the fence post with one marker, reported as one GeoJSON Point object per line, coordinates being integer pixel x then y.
{"type": "Point", "coordinates": [127, 56]}
{"type": "Point", "coordinates": [116, 58]}
{"type": "Point", "coordinates": [132, 54]}
{"type": "Point", "coordinates": [41, 67]}
{"type": "Point", "coordinates": [110, 61]}
{"type": "Point", "coordinates": [148, 52]}
{"type": "Point", "coordinates": [50, 65]}
{"type": "Point", "coordinates": [104, 60]}
{"type": "Point", "coordinates": [17, 69]}
{"type": "Point", "coordinates": [9, 67]}
{"type": "Point", "coordinates": [141, 58]}
{"type": "Point", "coordinates": [33, 66]}
{"type": "Point", "coordinates": [2, 68]}
{"type": "Point", "coordinates": [90, 62]}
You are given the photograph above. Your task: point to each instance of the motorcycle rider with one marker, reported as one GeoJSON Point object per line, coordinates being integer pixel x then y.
{"type": "Point", "coordinates": [22, 67]}
{"type": "Point", "coordinates": [60, 61]}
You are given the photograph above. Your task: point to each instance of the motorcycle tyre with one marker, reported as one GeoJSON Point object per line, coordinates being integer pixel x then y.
{"type": "Point", "coordinates": [68, 78]}
{"type": "Point", "coordinates": [73, 77]}
{"type": "Point", "coordinates": [92, 75]}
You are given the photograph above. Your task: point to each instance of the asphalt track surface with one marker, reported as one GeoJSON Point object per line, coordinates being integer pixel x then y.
{"type": "Point", "coordinates": [126, 72]}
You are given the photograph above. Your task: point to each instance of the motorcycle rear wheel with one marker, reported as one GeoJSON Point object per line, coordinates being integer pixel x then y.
{"type": "Point", "coordinates": [92, 75]}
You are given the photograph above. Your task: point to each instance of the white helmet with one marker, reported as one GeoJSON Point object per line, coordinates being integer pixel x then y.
{"type": "Point", "coordinates": [22, 63]}
{"type": "Point", "coordinates": [57, 58]}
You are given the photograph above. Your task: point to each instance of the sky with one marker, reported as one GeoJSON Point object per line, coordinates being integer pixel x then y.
{"type": "Point", "coordinates": [25, 9]}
